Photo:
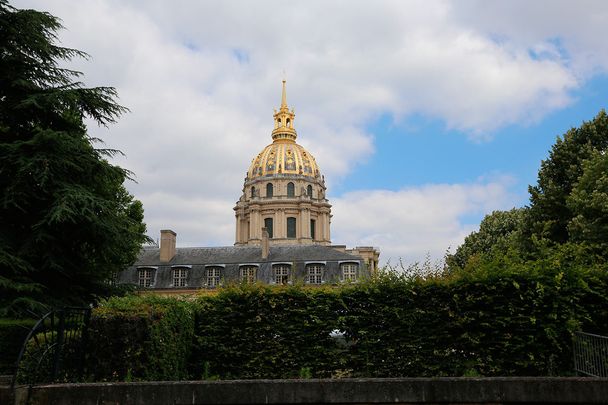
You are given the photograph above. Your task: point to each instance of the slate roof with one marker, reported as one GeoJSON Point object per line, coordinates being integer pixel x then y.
{"type": "Point", "coordinates": [245, 254]}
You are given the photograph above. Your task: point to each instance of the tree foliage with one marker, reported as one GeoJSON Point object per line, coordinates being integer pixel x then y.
{"type": "Point", "coordinates": [496, 232]}
{"type": "Point", "coordinates": [568, 212]}
{"type": "Point", "coordinates": [549, 214]}
{"type": "Point", "coordinates": [67, 222]}
{"type": "Point", "coordinates": [588, 203]}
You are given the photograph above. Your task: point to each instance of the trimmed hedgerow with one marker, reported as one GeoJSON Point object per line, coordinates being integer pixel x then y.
{"type": "Point", "coordinates": [511, 322]}
{"type": "Point", "coordinates": [502, 323]}
{"type": "Point", "coordinates": [517, 322]}
{"type": "Point", "coordinates": [140, 338]}
{"type": "Point", "coordinates": [264, 332]}
{"type": "Point", "coordinates": [12, 334]}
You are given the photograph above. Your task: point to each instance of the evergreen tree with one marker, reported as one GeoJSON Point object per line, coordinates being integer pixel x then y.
{"type": "Point", "coordinates": [67, 223]}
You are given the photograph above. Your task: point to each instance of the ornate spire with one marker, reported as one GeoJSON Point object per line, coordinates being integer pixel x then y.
{"type": "Point", "coordinates": [283, 121]}
{"type": "Point", "coordinates": [284, 96]}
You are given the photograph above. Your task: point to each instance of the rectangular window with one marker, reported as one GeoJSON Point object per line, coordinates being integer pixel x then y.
{"type": "Point", "coordinates": [315, 274]}
{"type": "Point", "coordinates": [349, 271]}
{"type": "Point", "coordinates": [179, 277]}
{"type": "Point", "coordinates": [281, 273]}
{"type": "Point", "coordinates": [145, 277]}
{"type": "Point", "coordinates": [248, 274]}
{"type": "Point", "coordinates": [268, 226]}
{"type": "Point", "coordinates": [312, 228]}
{"type": "Point", "coordinates": [291, 227]}
{"type": "Point", "coordinates": [213, 277]}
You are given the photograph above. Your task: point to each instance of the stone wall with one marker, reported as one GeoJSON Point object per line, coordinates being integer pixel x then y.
{"type": "Point", "coordinates": [502, 390]}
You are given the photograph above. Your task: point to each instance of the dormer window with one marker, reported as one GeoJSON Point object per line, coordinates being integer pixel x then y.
{"type": "Point", "coordinates": [248, 274]}
{"type": "Point", "coordinates": [314, 273]}
{"type": "Point", "coordinates": [281, 273]}
{"type": "Point", "coordinates": [213, 276]}
{"type": "Point", "coordinates": [349, 271]}
{"type": "Point", "coordinates": [179, 277]}
{"type": "Point", "coordinates": [145, 277]}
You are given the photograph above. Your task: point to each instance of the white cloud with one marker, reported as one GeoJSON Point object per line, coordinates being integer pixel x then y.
{"type": "Point", "coordinates": [409, 223]}
{"type": "Point", "coordinates": [201, 79]}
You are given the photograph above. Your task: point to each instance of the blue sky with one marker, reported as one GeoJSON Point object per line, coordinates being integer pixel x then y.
{"type": "Point", "coordinates": [421, 150]}
{"type": "Point", "coordinates": [423, 115]}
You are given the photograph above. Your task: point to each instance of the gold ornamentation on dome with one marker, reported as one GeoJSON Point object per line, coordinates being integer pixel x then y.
{"type": "Point", "coordinates": [284, 155]}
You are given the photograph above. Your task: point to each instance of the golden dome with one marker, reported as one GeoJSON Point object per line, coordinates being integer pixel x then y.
{"type": "Point", "coordinates": [284, 155]}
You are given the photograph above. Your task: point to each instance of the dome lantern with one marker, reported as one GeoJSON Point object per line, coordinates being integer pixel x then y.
{"type": "Point", "coordinates": [283, 121]}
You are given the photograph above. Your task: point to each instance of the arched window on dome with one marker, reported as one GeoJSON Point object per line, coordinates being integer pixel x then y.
{"type": "Point", "coordinates": [252, 192]}
{"type": "Point", "coordinates": [278, 121]}
{"type": "Point", "coordinates": [288, 121]}
{"type": "Point", "coordinates": [309, 191]}
{"type": "Point", "coordinates": [269, 190]}
{"type": "Point", "coordinates": [291, 190]}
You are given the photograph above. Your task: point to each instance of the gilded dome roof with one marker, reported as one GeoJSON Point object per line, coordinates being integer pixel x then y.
{"type": "Point", "coordinates": [283, 157]}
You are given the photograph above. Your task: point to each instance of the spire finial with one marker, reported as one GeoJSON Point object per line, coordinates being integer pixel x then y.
{"type": "Point", "coordinates": [284, 96]}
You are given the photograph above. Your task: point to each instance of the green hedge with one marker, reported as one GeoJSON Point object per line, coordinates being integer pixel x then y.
{"type": "Point", "coordinates": [12, 334]}
{"type": "Point", "coordinates": [500, 323]}
{"type": "Point", "coordinates": [140, 338]}
{"type": "Point", "coordinates": [264, 332]}
{"type": "Point", "coordinates": [495, 324]}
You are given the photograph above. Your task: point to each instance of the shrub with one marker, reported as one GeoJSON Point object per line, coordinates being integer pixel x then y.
{"type": "Point", "coordinates": [264, 332]}
{"type": "Point", "coordinates": [497, 320]}
{"type": "Point", "coordinates": [12, 335]}
{"type": "Point", "coordinates": [140, 338]}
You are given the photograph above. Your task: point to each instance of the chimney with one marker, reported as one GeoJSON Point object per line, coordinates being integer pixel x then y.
{"type": "Point", "coordinates": [167, 245]}
{"type": "Point", "coordinates": [265, 244]}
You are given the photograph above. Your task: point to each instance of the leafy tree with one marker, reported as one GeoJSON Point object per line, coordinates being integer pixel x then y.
{"type": "Point", "coordinates": [567, 218]}
{"type": "Point", "coordinates": [66, 220]}
{"type": "Point", "coordinates": [550, 214]}
{"type": "Point", "coordinates": [588, 203]}
{"type": "Point", "coordinates": [496, 232]}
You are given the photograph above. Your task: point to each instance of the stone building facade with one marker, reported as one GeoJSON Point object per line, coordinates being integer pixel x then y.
{"type": "Point", "coordinates": [170, 270]}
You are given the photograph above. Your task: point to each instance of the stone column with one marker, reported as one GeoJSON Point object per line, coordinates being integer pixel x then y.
{"type": "Point", "coordinates": [255, 229]}
{"type": "Point", "coordinates": [305, 223]}
{"type": "Point", "coordinates": [281, 224]}
{"type": "Point", "coordinates": [237, 236]}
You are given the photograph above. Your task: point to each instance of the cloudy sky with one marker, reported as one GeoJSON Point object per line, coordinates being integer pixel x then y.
{"type": "Point", "coordinates": [423, 115]}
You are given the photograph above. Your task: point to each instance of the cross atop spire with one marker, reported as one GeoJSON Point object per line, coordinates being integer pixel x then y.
{"type": "Point", "coordinates": [283, 120]}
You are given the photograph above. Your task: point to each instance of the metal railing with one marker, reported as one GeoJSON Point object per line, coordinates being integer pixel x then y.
{"type": "Point", "coordinates": [590, 354]}
{"type": "Point", "coordinates": [54, 350]}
